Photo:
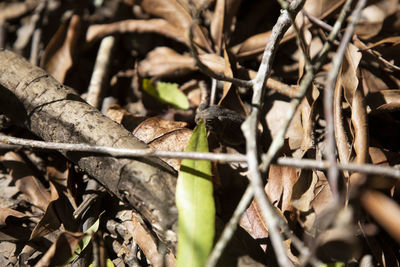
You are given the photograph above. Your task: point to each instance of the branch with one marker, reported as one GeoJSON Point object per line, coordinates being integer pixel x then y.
{"type": "Point", "coordinates": [10, 143]}
{"type": "Point", "coordinates": [34, 99]}
{"type": "Point", "coordinates": [249, 128]}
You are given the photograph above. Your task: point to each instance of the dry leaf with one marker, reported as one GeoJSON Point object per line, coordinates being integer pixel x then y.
{"type": "Point", "coordinates": [373, 16]}
{"type": "Point", "coordinates": [58, 56]}
{"type": "Point", "coordinates": [164, 135]}
{"type": "Point", "coordinates": [26, 181]}
{"type": "Point", "coordinates": [384, 210]}
{"type": "Point", "coordinates": [159, 26]}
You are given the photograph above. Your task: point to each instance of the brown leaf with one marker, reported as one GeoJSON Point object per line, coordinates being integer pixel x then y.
{"type": "Point", "coordinates": [26, 181]}
{"type": "Point", "coordinates": [217, 24]}
{"type": "Point", "coordinates": [323, 198]}
{"type": "Point", "coordinates": [253, 222]}
{"type": "Point", "coordinates": [58, 212]}
{"type": "Point", "coordinates": [59, 53]}
{"type": "Point", "coordinates": [50, 221]}
{"type": "Point", "coordinates": [373, 16]}
{"type": "Point", "coordinates": [303, 192]}
{"type": "Point", "coordinates": [384, 210]}
{"type": "Point", "coordinates": [122, 116]}
{"type": "Point", "coordinates": [342, 143]}
{"type": "Point", "coordinates": [155, 127]}
{"type": "Point", "coordinates": [256, 43]}
{"type": "Point", "coordinates": [392, 41]}
{"type": "Point", "coordinates": [307, 118]}
{"type": "Point", "coordinates": [175, 141]}
{"type": "Point", "coordinates": [159, 26]}
{"type": "Point", "coordinates": [164, 135]}
{"type": "Point", "coordinates": [360, 124]}
{"type": "Point", "coordinates": [61, 250]}
{"type": "Point", "coordinates": [163, 61]}
{"type": "Point", "coordinates": [384, 101]}
{"type": "Point", "coordinates": [280, 186]}
{"type": "Point", "coordinates": [277, 115]}
{"type": "Point", "coordinates": [175, 13]}
{"type": "Point", "coordinates": [138, 231]}
{"type": "Point", "coordinates": [348, 74]}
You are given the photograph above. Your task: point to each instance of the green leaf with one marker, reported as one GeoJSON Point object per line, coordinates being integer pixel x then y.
{"type": "Point", "coordinates": [195, 202]}
{"type": "Point", "coordinates": [85, 240]}
{"type": "Point", "coordinates": [167, 93]}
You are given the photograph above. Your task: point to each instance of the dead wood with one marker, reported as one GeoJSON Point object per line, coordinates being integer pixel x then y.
{"type": "Point", "coordinates": [34, 99]}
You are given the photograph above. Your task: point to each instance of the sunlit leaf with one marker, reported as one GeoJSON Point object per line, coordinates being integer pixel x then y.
{"type": "Point", "coordinates": [195, 202]}
{"type": "Point", "coordinates": [167, 93]}
{"type": "Point", "coordinates": [85, 240]}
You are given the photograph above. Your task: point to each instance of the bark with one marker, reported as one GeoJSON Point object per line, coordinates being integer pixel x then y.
{"type": "Point", "coordinates": [34, 99]}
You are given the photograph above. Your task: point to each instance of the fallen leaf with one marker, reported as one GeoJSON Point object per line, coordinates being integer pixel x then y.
{"type": "Point", "coordinates": [384, 210]}
{"type": "Point", "coordinates": [59, 53]}
{"type": "Point", "coordinates": [167, 93]}
{"type": "Point", "coordinates": [195, 202]}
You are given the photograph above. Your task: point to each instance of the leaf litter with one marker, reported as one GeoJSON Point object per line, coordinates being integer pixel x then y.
{"type": "Point", "coordinates": [38, 197]}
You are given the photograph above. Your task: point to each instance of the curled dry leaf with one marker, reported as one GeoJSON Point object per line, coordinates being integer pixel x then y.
{"type": "Point", "coordinates": [354, 95]}
{"type": "Point", "coordinates": [384, 210]}
{"type": "Point", "coordinates": [276, 116]}
{"type": "Point", "coordinates": [159, 26]}
{"type": "Point", "coordinates": [279, 190]}
{"type": "Point", "coordinates": [349, 72]}
{"type": "Point", "coordinates": [391, 41]}
{"type": "Point", "coordinates": [303, 192]}
{"type": "Point", "coordinates": [58, 212]}
{"type": "Point", "coordinates": [253, 223]}
{"type": "Point", "coordinates": [217, 24]}
{"type": "Point", "coordinates": [59, 53]}
{"type": "Point", "coordinates": [280, 186]}
{"type": "Point", "coordinates": [222, 20]}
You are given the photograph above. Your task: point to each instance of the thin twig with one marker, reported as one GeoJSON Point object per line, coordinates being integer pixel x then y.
{"type": "Point", "coordinates": [353, 167]}
{"type": "Point", "coordinates": [249, 128]}
{"type": "Point", "coordinates": [332, 35]}
{"type": "Point", "coordinates": [299, 37]}
{"type": "Point", "coordinates": [333, 172]}
{"type": "Point", "coordinates": [16, 143]}
{"type": "Point", "coordinates": [322, 24]}
{"type": "Point", "coordinates": [122, 152]}
{"type": "Point", "coordinates": [230, 228]}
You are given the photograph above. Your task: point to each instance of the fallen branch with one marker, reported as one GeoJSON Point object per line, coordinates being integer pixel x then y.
{"type": "Point", "coordinates": [34, 99]}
